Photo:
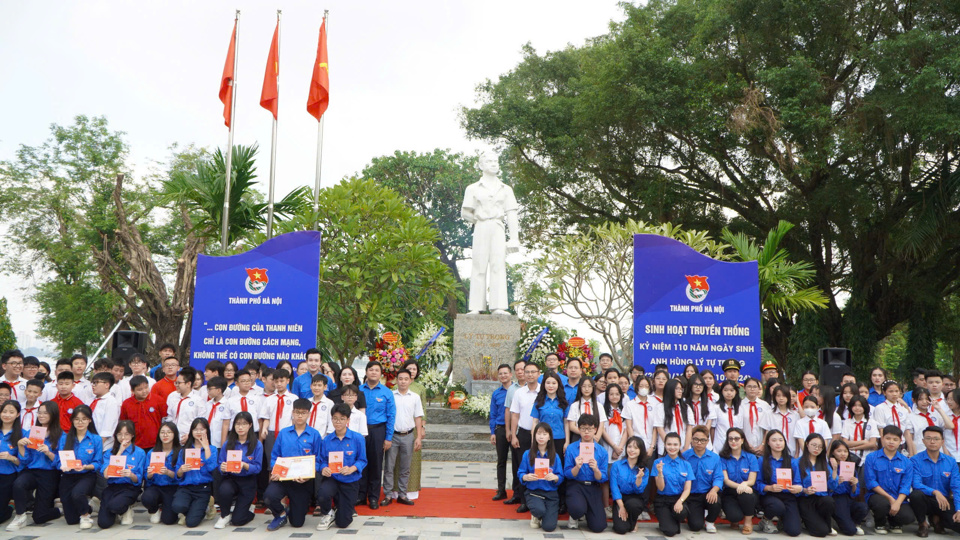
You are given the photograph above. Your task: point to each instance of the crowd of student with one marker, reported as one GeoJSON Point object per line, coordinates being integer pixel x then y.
{"type": "Point", "coordinates": [186, 444]}
{"type": "Point", "coordinates": [871, 456]}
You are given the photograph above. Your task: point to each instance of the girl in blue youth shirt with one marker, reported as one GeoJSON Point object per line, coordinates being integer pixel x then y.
{"type": "Point", "coordinates": [242, 486]}
{"type": "Point", "coordinates": [551, 407]}
{"type": "Point", "coordinates": [674, 479]}
{"type": "Point", "coordinates": [121, 493]}
{"type": "Point", "coordinates": [541, 494]}
{"type": "Point", "coordinates": [38, 471]}
{"type": "Point", "coordinates": [628, 482]}
{"type": "Point", "coordinates": [10, 435]}
{"type": "Point", "coordinates": [193, 495]}
{"type": "Point", "coordinates": [777, 500]}
{"type": "Point", "coordinates": [162, 484]}
{"type": "Point", "coordinates": [76, 485]}
{"type": "Point", "coordinates": [848, 511]}
{"type": "Point", "coordinates": [740, 469]}
{"type": "Point", "coordinates": [816, 507]}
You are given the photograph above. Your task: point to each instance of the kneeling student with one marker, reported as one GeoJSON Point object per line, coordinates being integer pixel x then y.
{"type": "Point", "coordinates": [628, 482]}
{"type": "Point", "coordinates": [38, 471]}
{"type": "Point", "coordinates": [936, 485]}
{"type": "Point", "coordinates": [585, 474]}
{"type": "Point", "coordinates": [294, 441]}
{"type": "Point", "coordinates": [740, 468]}
{"type": "Point", "coordinates": [121, 492]}
{"type": "Point", "coordinates": [239, 486]}
{"type": "Point", "coordinates": [343, 456]}
{"type": "Point", "coordinates": [889, 478]}
{"type": "Point", "coordinates": [674, 480]}
{"type": "Point", "coordinates": [541, 489]}
{"type": "Point", "coordinates": [196, 480]}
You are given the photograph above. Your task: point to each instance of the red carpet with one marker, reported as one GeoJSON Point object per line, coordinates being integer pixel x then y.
{"type": "Point", "coordinates": [450, 503]}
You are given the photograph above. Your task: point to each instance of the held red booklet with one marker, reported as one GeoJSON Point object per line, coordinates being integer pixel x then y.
{"type": "Point", "coordinates": [336, 462]}
{"type": "Point", "coordinates": [192, 458]}
{"type": "Point", "coordinates": [542, 467]}
{"type": "Point", "coordinates": [117, 463]}
{"type": "Point", "coordinates": [69, 461]}
{"type": "Point", "coordinates": [37, 435]}
{"type": "Point", "coordinates": [234, 461]}
{"type": "Point", "coordinates": [157, 461]}
{"type": "Point", "coordinates": [586, 451]}
{"type": "Point", "coordinates": [280, 470]}
{"type": "Point", "coordinates": [784, 477]}
{"type": "Point", "coordinates": [818, 480]}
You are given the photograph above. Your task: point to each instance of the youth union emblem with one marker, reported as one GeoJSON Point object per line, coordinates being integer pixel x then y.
{"type": "Point", "coordinates": [256, 280]}
{"type": "Point", "coordinates": [697, 288]}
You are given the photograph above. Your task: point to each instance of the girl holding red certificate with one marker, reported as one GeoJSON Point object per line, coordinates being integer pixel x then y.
{"type": "Point", "coordinates": [778, 493]}
{"type": "Point", "coordinates": [195, 467]}
{"type": "Point", "coordinates": [541, 472]}
{"type": "Point", "coordinates": [38, 471]}
{"type": "Point", "coordinates": [161, 475]}
{"type": "Point", "coordinates": [628, 482]}
{"type": "Point", "coordinates": [241, 459]}
{"type": "Point", "coordinates": [815, 475]}
{"type": "Point", "coordinates": [124, 467]}
{"type": "Point", "coordinates": [848, 511]}
{"type": "Point", "coordinates": [81, 451]}
{"type": "Point", "coordinates": [10, 435]}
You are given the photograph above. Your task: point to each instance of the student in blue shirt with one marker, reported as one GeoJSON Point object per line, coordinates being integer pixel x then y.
{"type": "Point", "coordinates": [551, 362]}
{"type": "Point", "coordinates": [76, 485]}
{"type": "Point", "coordinates": [848, 511]}
{"type": "Point", "coordinates": [10, 435]}
{"type": "Point", "coordinates": [628, 483]}
{"type": "Point", "coordinates": [38, 471]}
{"type": "Point", "coordinates": [584, 475]}
{"type": "Point", "coordinates": [777, 500]}
{"type": "Point", "coordinates": [878, 376]}
{"type": "Point", "coordinates": [889, 478]}
{"type": "Point", "coordinates": [162, 485]}
{"type": "Point", "coordinates": [293, 441]}
{"type": "Point", "coordinates": [498, 431]}
{"type": "Point", "coordinates": [551, 407]}
{"type": "Point", "coordinates": [707, 482]}
{"type": "Point", "coordinates": [740, 468]}
{"type": "Point", "coordinates": [936, 485]}
{"type": "Point", "coordinates": [196, 484]}
{"type": "Point", "coordinates": [121, 493]}
{"type": "Point", "coordinates": [239, 487]}
{"type": "Point", "coordinates": [301, 383]}
{"type": "Point", "coordinates": [816, 507]}
{"type": "Point", "coordinates": [541, 493]}
{"type": "Point", "coordinates": [674, 480]}
{"type": "Point", "coordinates": [381, 415]}
{"type": "Point", "coordinates": [340, 487]}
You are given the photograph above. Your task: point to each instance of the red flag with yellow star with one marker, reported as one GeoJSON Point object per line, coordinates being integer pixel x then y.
{"type": "Point", "coordinates": [319, 96]}
{"type": "Point", "coordinates": [269, 94]}
{"type": "Point", "coordinates": [257, 274]}
{"type": "Point", "coordinates": [698, 282]}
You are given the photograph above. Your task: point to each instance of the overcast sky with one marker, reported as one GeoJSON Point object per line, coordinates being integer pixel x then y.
{"type": "Point", "coordinates": [399, 72]}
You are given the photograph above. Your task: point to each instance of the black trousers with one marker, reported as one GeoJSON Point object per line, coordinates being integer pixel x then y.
{"type": "Point", "coordinates": [45, 482]}
{"type": "Point", "coordinates": [115, 500]}
{"type": "Point", "coordinates": [503, 447]}
{"type": "Point", "coordinates": [298, 494]}
{"type": "Point", "coordinates": [156, 497]}
{"type": "Point", "coordinates": [75, 490]}
{"type": "Point", "coordinates": [343, 494]}
{"type": "Point", "coordinates": [816, 511]}
{"type": "Point", "coordinates": [6, 495]}
{"type": "Point", "coordinates": [192, 500]}
{"type": "Point", "coordinates": [586, 500]}
{"type": "Point", "coordinates": [697, 504]}
{"type": "Point", "coordinates": [524, 437]}
{"type": "Point", "coordinates": [516, 454]}
{"type": "Point", "coordinates": [669, 521]}
{"type": "Point", "coordinates": [263, 478]}
{"type": "Point", "coordinates": [240, 489]}
{"type": "Point", "coordinates": [925, 507]}
{"type": "Point", "coordinates": [880, 507]}
{"type": "Point", "coordinates": [849, 513]}
{"type": "Point", "coordinates": [634, 505]}
{"type": "Point", "coordinates": [736, 506]}
{"type": "Point", "coordinates": [372, 478]}
{"type": "Point", "coordinates": [784, 506]}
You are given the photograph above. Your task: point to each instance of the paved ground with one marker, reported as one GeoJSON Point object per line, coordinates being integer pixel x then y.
{"type": "Point", "coordinates": [435, 474]}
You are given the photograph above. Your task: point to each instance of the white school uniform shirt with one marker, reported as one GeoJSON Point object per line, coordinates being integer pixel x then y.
{"type": "Point", "coordinates": [866, 430]}
{"type": "Point", "coordinates": [216, 413]}
{"type": "Point", "coordinates": [105, 417]}
{"type": "Point", "coordinates": [574, 411]}
{"type": "Point", "coordinates": [884, 415]}
{"type": "Point", "coordinates": [182, 411]}
{"type": "Point", "coordinates": [616, 433]}
{"type": "Point", "coordinates": [695, 414]}
{"type": "Point", "coordinates": [755, 433]}
{"type": "Point", "coordinates": [124, 385]}
{"type": "Point", "coordinates": [837, 426]}
{"type": "Point", "coordinates": [916, 423]}
{"type": "Point", "coordinates": [723, 421]}
{"type": "Point", "coordinates": [640, 415]}
{"type": "Point", "coordinates": [659, 420]}
{"type": "Point", "coordinates": [819, 426]}
{"type": "Point", "coordinates": [714, 397]}
{"type": "Point", "coordinates": [116, 393]}
{"type": "Point", "coordinates": [409, 408]}
{"type": "Point", "coordinates": [28, 417]}
{"type": "Point", "coordinates": [49, 391]}
{"type": "Point", "coordinates": [942, 403]}
{"type": "Point", "coordinates": [785, 422]}
{"type": "Point", "coordinates": [951, 435]}
{"type": "Point", "coordinates": [358, 421]}
{"type": "Point", "coordinates": [18, 389]}
{"type": "Point", "coordinates": [84, 391]}
{"type": "Point", "coordinates": [320, 415]}
{"type": "Point", "coordinates": [235, 407]}
{"type": "Point", "coordinates": [277, 410]}
{"type": "Point", "coordinates": [523, 400]}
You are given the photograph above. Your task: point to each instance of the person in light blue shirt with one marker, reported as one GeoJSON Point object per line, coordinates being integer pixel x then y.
{"type": "Point", "coordinates": [816, 506]}
{"type": "Point", "coordinates": [38, 471]}
{"type": "Point", "coordinates": [343, 486]}
{"type": "Point", "coordinates": [541, 492]}
{"type": "Point", "coordinates": [121, 492]}
{"type": "Point", "coordinates": [936, 485]}
{"type": "Point", "coordinates": [584, 475]}
{"type": "Point", "coordinates": [10, 435]}
{"type": "Point", "coordinates": [301, 383]}
{"type": "Point", "coordinates": [707, 482]}
{"type": "Point", "coordinates": [196, 482]}
{"type": "Point", "coordinates": [888, 475]}
{"type": "Point", "coordinates": [674, 478]}
{"type": "Point", "coordinates": [628, 483]}
{"type": "Point", "coordinates": [237, 489]}
{"type": "Point", "coordinates": [77, 483]}
{"type": "Point", "coordinates": [779, 500]}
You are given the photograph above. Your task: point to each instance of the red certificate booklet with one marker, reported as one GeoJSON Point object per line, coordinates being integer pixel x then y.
{"type": "Point", "coordinates": [336, 461]}
{"type": "Point", "coordinates": [157, 461]}
{"type": "Point", "coordinates": [37, 435]}
{"type": "Point", "coordinates": [69, 461]}
{"type": "Point", "coordinates": [784, 477]}
{"type": "Point", "coordinates": [192, 458]}
{"type": "Point", "coordinates": [586, 451]}
{"type": "Point", "coordinates": [542, 467]}
{"type": "Point", "coordinates": [234, 461]}
{"type": "Point", "coordinates": [117, 463]}
{"type": "Point", "coordinates": [818, 480]}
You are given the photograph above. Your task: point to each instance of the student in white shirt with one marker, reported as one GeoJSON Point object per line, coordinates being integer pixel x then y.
{"type": "Point", "coordinates": [860, 432]}
{"type": "Point", "coordinates": [782, 417]}
{"type": "Point", "coordinates": [12, 364]}
{"type": "Point", "coordinates": [183, 407]}
{"type": "Point", "coordinates": [726, 414]}
{"type": "Point", "coordinates": [752, 409]}
{"type": "Point", "coordinates": [407, 439]}
{"type": "Point", "coordinates": [925, 414]}
{"type": "Point", "coordinates": [951, 425]}
{"type": "Point", "coordinates": [699, 411]}
{"type": "Point", "coordinates": [82, 389]}
{"type": "Point", "coordinates": [242, 399]}
{"type": "Point", "coordinates": [216, 409]}
{"type": "Point", "coordinates": [810, 423]}
{"type": "Point", "coordinates": [639, 413]}
{"type": "Point", "coordinates": [321, 407]}
{"type": "Point", "coordinates": [585, 402]}
{"type": "Point", "coordinates": [50, 389]}
{"type": "Point", "coordinates": [891, 412]}
{"type": "Point", "coordinates": [671, 416]}
{"type": "Point", "coordinates": [138, 366]}
{"type": "Point", "coordinates": [105, 407]}
{"type": "Point", "coordinates": [276, 412]}
{"type": "Point", "coordinates": [213, 369]}
{"type": "Point", "coordinates": [350, 394]}
{"type": "Point", "coordinates": [31, 406]}
{"type": "Point", "coordinates": [934, 381]}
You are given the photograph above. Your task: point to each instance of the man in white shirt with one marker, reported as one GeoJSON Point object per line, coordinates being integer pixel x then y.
{"type": "Point", "coordinates": [216, 409]}
{"type": "Point", "coordinates": [520, 409]}
{"type": "Point", "coordinates": [407, 437]}
{"type": "Point", "coordinates": [12, 364]}
{"type": "Point", "coordinates": [82, 388]}
{"type": "Point", "coordinates": [105, 407]}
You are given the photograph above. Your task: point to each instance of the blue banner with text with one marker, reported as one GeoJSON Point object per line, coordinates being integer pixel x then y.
{"type": "Point", "coordinates": [693, 309]}
{"type": "Point", "coordinates": [258, 305]}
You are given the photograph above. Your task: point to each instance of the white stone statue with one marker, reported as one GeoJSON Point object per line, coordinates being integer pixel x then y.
{"type": "Point", "coordinates": [485, 205]}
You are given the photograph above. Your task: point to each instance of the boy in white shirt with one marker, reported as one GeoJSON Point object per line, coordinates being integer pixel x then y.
{"type": "Point", "coordinates": [276, 413]}
{"type": "Point", "coordinates": [358, 419]}
{"type": "Point", "coordinates": [138, 366]}
{"type": "Point", "coordinates": [211, 370]}
{"type": "Point", "coordinates": [217, 409]}
{"type": "Point", "coordinates": [321, 407]}
{"type": "Point", "coordinates": [117, 368]}
{"type": "Point", "coordinates": [12, 364]}
{"type": "Point", "coordinates": [50, 390]}
{"type": "Point", "coordinates": [105, 407]}
{"type": "Point", "coordinates": [28, 413]}
{"type": "Point", "coordinates": [82, 388]}
{"type": "Point", "coordinates": [242, 399]}
{"type": "Point", "coordinates": [183, 407]}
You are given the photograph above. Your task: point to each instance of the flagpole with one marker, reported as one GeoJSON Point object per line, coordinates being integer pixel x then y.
{"type": "Point", "coordinates": [273, 144]}
{"type": "Point", "coordinates": [225, 231]}
{"type": "Point", "coordinates": [316, 187]}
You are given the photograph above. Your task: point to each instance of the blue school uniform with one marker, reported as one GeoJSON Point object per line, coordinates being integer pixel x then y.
{"type": "Point", "coordinates": [942, 476]}
{"type": "Point", "coordinates": [806, 481]}
{"type": "Point", "coordinates": [676, 472]}
{"type": "Point", "coordinates": [542, 485]}
{"type": "Point", "coordinates": [162, 479]}
{"type": "Point", "coordinates": [553, 415]}
{"type": "Point", "coordinates": [895, 476]}
{"type": "Point", "coordinates": [586, 473]}
{"type": "Point", "coordinates": [623, 480]}
{"type": "Point", "coordinates": [497, 410]}
{"type": "Point", "coordinates": [381, 408]}
{"type": "Point", "coordinates": [202, 476]}
{"type": "Point", "coordinates": [136, 463]}
{"type": "Point", "coordinates": [739, 469]}
{"type": "Point", "coordinates": [37, 460]}
{"type": "Point", "coordinates": [7, 467]}
{"type": "Point", "coordinates": [875, 398]}
{"type": "Point", "coordinates": [89, 451]}
{"type": "Point", "coordinates": [254, 460]}
{"type": "Point", "coordinates": [774, 465]}
{"type": "Point", "coordinates": [354, 449]}
{"type": "Point", "coordinates": [290, 444]}
{"type": "Point", "coordinates": [707, 471]}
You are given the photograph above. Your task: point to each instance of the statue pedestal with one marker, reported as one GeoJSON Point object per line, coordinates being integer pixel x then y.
{"type": "Point", "coordinates": [476, 336]}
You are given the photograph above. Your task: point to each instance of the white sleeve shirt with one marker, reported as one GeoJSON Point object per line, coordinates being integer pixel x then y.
{"type": "Point", "coordinates": [106, 414]}
{"type": "Point", "coordinates": [18, 389]}
{"type": "Point", "coordinates": [409, 408]}
{"type": "Point", "coordinates": [183, 411]}
{"type": "Point", "coordinates": [277, 410]}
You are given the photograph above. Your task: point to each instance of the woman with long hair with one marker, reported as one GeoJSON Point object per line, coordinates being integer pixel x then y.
{"type": "Point", "coordinates": [878, 376]}
{"type": "Point", "coordinates": [79, 478]}
{"type": "Point", "coordinates": [239, 487]}
{"type": "Point", "coordinates": [10, 435]}
{"type": "Point", "coordinates": [542, 482]}
{"type": "Point", "coordinates": [162, 479]}
{"type": "Point", "coordinates": [783, 417]}
{"type": "Point", "coordinates": [628, 482]}
{"type": "Point", "coordinates": [550, 406]}
{"type": "Point", "coordinates": [640, 413]}
{"type": "Point", "coordinates": [585, 402]}
{"type": "Point", "coordinates": [710, 380]}
{"type": "Point", "coordinates": [778, 499]}
{"type": "Point", "coordinates": [752, 408]}
{"type": "Point", "coordinates": [698, 404]}
{"type": "Point", "coordinates": [816, 507]}
{"type": "Point", "coordinates": [828, 411]}
{"type": "Point", "coordinates": [123, 486]}
{"type": "Point", "coordinates": [848, 511]}
{"type": "Point", "coordinates": [674, 479]}
{"type": "Point", "coordinates": [807, 381]}
{"type": "Point", "coordinates": [230, 370]}
{"type": "Point", "coordinates": [860, 433]}
{"type": "Point", "coordinates": [672, 415]}
{"type": "Point", "coordinates": [740, 468]}
{"type": "Point", "coordinates": [847, 393]}
{"type": "Point", "coordinates": [193, 493]}
{"type": "Point", "coordinates": [689, 371]}
{"type": "Point", "coordinates": [38, 471]}
{"type": "Point", "coordinates": [348, 376]}
{"type": "Point", "coordinates": [727, 414]}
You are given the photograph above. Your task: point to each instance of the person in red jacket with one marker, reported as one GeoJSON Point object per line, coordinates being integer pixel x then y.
{"type": "Point", "coordinates": [65, 399]}
{"type": "Point", "coordinates": [146, 410]}
{"type": "Point", "coordinates": [168, 384]}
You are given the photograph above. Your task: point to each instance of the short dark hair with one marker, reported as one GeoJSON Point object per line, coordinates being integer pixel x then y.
{"type": "Point", "coordinates": [501, 366]}
{"type": "Point", "coordinates": [65, 375]}
{"type": "Point", "coordinates": [341, 409]}
{"type": "Point", "coordinates": [136, 357]}
{"type": "Point", "coordinates": [281, 374]}
{"type": "Point", "coordinates": [934, 429]}
{"type": "Point", "coordinates": [319, 378]}
{"type": "Point", "coordinates": [892, 430]}
{"type": "Point", "coordinates": [31, 361]}
{"type": "Point", "coordinates": [104, 376]}
{"type": "Point", "coordinates": [267, 373]}
{"type": "Point", "coordinates": [608, 355]}
{"type": "Point", "coordinates": [170, 346]}
{"type": "Point", "coordinates": [405, 371]}
{"type": "Point", "coordinates": [350, 388]}
{"type": "Point", "coordinates": [35, 382]}
{"type": "Point", "coordinates": [521, 361]}
{"type": "Point", "coordinates": [302, 405]}
{"type": "Point", "coordinates": [934, 373]}
{"type": "Point", "coordinates": [215, 366]}
{"type": "Point", "coordinates": [588, 420]}
{"type": "Point", "coordinates": [219, 382]}
{"type": "Point", "coordinates": [12, 353]}
{"type": "Point", "coordinates": [137, 380]}
{"type": "Point", "coordinates": [312, 351]}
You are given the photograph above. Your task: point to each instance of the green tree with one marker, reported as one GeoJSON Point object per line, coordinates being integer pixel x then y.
{"type": "Point", "coordinates": [840, 116]}
{"type": "Point", "coordinates": [8, 340]}
{"type": "Point", "coordinates": [379, 266]}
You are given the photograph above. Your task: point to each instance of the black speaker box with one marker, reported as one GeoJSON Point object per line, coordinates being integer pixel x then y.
{"type": "Point", "coordinates": [834, 363]}
{"type": "Point", "coordinates": [126, 343]}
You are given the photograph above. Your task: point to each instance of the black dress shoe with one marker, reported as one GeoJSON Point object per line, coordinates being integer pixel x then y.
{"type": "Point", "coordinates": [372, 503]}
{"type": "Point", "coordinates": [404, 500]}
{"type": "Point", "coordinates": [924, 530]}
{"type": "Point", "coordinates": [501, 494]}
{"type": "Point", "coordinates": [512, 500]}
{"type": "Point", "coordinates": [562, 510]}
{"type": "Point", "coordinates": [361, 501]}
{"type": "Point", "coordinates": [386, 501]}
{"type": "Point", "coordinates": [522, 508]}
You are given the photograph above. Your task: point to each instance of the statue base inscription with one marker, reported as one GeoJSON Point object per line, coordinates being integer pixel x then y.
{"type": "Point", "coordinates": [477, 336]}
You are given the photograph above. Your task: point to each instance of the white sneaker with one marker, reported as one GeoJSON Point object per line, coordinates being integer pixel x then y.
{"type": "Point", "coordinates": [182, 520]}
{"type": "Point", "coordinates": [155, 517]}
{"type": "Point", "coordinates": [711, 528]}
{"type": "Point", "coordinates": [86, 522]}
{"type": "Point", "coordinates": [534, 522]}
{"type": "Point", "coordinates": [127, 517]}
{"type": "Point", "coordinates": [17, 523]}
{"type": "Point", "coordinates": [833, 532]}
{"type": "Point", "coordinates": [860, 532]}
{"type": "Point", "coordinates": [94, 505]}
{"type": "Point", "coordinates": [644, 516]}
{"type": "Point", "coordinates": [325, 522]}
{"type": "Point", "coordinates": [896, 530]}
{"type": "Point", "coordinates": [222, 522]}
{"type": "Point", "coordinates": [573, 524]}
{"type": "Point", "coordinates": [880, 529]}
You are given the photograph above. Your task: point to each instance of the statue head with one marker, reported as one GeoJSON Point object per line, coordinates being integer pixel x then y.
{"type": "Point", "coordinates": [489, 163]}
